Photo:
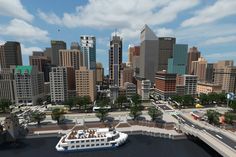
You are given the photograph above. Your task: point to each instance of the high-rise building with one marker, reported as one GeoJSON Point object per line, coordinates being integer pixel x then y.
{"type": "Point", "coordinates": [193, 55]}
{"type": "Point", "coordinates": [132, 52]}
{"type": "Point", "coordinates": [178, 63]}
{"type": "Point", "coordinates": [130, 89]}
{"type": "Point", "coordinates": [189, 82]}
{"type": "Point", "coordinates": [165, 52]}
{"type": "Point", "coordinates": [148, 61]}
{"type": "Point", "coordinates": [29, 85]}
{"type": "Point", "coordinates": [115, 60]}
{"type": "Point", "coordinates": [219, 70]}
{"type": "Point", "coordinates": [126, 75]}
{"type": "Point", "coordinates": [62, 80]}
{"type": "Point", "coordinates": [7, 84]}
{"type": "Point", "coordinates": [199, 68]}
{"type": "Point", "coordinates": [165, 84]}
{"type": "Point", "coordinates": [85, 83]}
{"type": "Point", "coordinates": [71, 58]}
{"type": "Point", "coordinates": [88, 47]}
{"type": "Point", "coordinates": [74, 45]}
{"type": "Point", "coordinates": [99, 73]}
{"type": "Point", "coordinates": [10, 54]}
{"type": "Point", "coordinates": [55, 47]}
{"type": "Point", "coordinates": [145, 89]}
{"type": "Point", "coordinates": [210, 73]}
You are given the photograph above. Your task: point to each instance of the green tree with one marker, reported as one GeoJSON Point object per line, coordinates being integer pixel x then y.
{"type": "Point", "coordinates": [83, 101]}
{"type": "Point", "coordinates": [120, 100]}
{"type": "Point", "coordinates": [102, 113]}
{"type": "Point", "coordinates": [57, 114]}
{"type": "Point", "coordinates": [213, 117]}
{"type": "Point", "coordinates": [135, 111]}
{"type": "Point", "coordinates": [213, 97]}
{"type": "Point", "coordinates": [70, 102]}
{"type": "Point", "coordinates": [232, 105]}
{"type": "Point", "coordinates": [39, 101]}
{"type": "Point", "coordinates": [154, 113]}
{"type": "Point", "coordinates": [229, 117]}
{"type": "Point", "coordinates": [222, 98]}
{"type": "Point", "coordinates": [5, 104]}
{"type": "Point", "coordinates": [136, 99]}
{"type": "Point", "coordinates": [37, 116]}
{"type": "Point", "coordinates": [177, 98]}
{"type": "Point", "coordinates": [203, 99]}
{"type": "Point", "coordinates": [188, 100]}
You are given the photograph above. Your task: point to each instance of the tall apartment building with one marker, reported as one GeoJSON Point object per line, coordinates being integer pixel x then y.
{"type": "Point", "coordinates": [132, 52]}
{"type": "Point", "coordinates": [148, 61]}
{"type": "Point", "coordinates": [115, 60]}
{"type": "Point", "coordinates": [166, 45]}
{"type": "Point", "coordinates": [10, 54]}
{"type": "Point", "coordinates": [165, 84]}
{"type": "Point", "coordinates": [126, 75]}
{"type": "Point", "coordinates": [219, 70]}
{"type": "Point", "coordinates": [56, 45]}
{"type": "Point", "coordinates": [210, 73]}
{"type": "Point", "coordinates": [145, 89]}
{"type": "Point", "coordinates": [193, 55]}
{"type": "Point", "coordinates": [130, 89]}
{"type": "Point", "coordinates": [41, 61]}
{"type": "Point", "coordinates": [199, 68]}
{"type": "Point", "coordinates": [71, 58]}
{"type": "Point", "coordinates": [88, 47]}
{"type": "Point", "coordinates": [229, 79]}
{"type": "Point", "coordinates": [189, 82]}
{"type": "Point", "coordinates": [62, 81]}
{"type": "Point", "coordinates": [85, 83]}
{"type": "Point", "coordinates": [74, 45]}
{"type": "Point", "coordinates": [7, 84]}
{"type": "Point", "coordinates": [29, 85]}
{"type": "Point", "coordinates": [99, 73]}
{"type": "Point", "coordinates": [178, 63]}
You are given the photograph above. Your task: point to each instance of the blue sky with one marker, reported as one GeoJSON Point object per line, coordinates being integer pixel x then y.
{"type": "Point", "coordinates": [210, 25]}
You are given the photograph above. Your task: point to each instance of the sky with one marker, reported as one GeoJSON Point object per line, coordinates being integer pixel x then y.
{"type": "Point", "coordinates": [208, 24]}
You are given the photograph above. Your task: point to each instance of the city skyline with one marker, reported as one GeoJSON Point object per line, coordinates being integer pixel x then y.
{"type": "Point", "coordinates": [35, 24]}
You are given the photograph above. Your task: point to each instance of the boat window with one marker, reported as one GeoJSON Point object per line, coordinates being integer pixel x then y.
{"type": "Point", "coordinates": [82, 141]}
{"type": "Point", "coordinates": [77, 146]}
{"type": "Point", "coordinates": [72, 146]}
{"type": "Point", "coordinates": [92, 145]}
{"type": "Point", "coordinates": [97, 144]}
{"type": "Point", "coordinates": [97, 140]}
{"type": "Point", "coordinates": [102, 144]}
{"type": "Point", "coordinates": [87, 145]}
{"type": "Point", "coordinates": [77, 141]}
{"type": "Point", "coordinates": [102, 139]}
{"type": "Point", "coordinates": [87, 140]}
{"type": "Point", "coordinates": [107, 144]}
{"type": "Point", "coordinates": [72, 141]}
{"type": "Point", "coordinates": [92, 140]}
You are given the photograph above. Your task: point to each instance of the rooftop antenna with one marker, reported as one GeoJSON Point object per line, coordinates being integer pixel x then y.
{"type": "Point", "coordinates": [115, 31]}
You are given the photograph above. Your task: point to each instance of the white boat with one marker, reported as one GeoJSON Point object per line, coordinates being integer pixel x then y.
{"type": "Point", "coordinates": [91, 139]}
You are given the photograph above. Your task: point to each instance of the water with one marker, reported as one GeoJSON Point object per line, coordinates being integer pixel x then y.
{"type": "Point", "coordinates": [136, 146]}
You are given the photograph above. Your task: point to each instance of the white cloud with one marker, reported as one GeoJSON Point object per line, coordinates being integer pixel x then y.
{"type": "Point", "coordinates": [164, 32]}
{"type": "Point", "coordinates": [220, 56]}
{"type": "Point", "coordinates": [24, 31]}
{"type": "Point", "coordinates": [217, 11]}
{"type": "Point", "coordinates": [2, 42]}
{"type": "Point", "coordinates": [220, 40]}
{"type": "Point", "coordinates": [126, 15]}
{"type": "Point", "coordinates": [28, 50]}
{"type": "Point", "coordinates": [14, 8]}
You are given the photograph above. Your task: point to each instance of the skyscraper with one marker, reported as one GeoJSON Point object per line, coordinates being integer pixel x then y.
{"type": "Point", "coordinates": [132, 51]}
{"type": "Point", "coordinates": [56, 46]}
{"type": "Point", "coordinates": [71, 58]}
{"type": "Point", "coordinates": [165, 51]}
{"type": "Point", "coordinates": [85, 83]}
{"type": "Point", "coordinates": [28, 84]}
{"type": "Point", "coordinates": [178, 63]}
{"type": "Point", "coordinates": [199, 68]}
{"type": "Point", "coordinates": [88, 47]}
{"type": "Point", "coordinates": [10, 54]}
{"type": "Point", "coordinates": [210, 73]}
{"type": "Point", "coordinates": [193, 55]}
{"type": "Point", "coordinates": [99, 73]}
{"type": "Point", "coordinates": [115, 60]}
{"type": "Point", "coordinates": [148, 61]}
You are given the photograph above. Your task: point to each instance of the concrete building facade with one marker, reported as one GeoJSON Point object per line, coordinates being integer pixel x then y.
{"type": "Point", "coordinates": [193, 55]}
{"type": "Point", "coordinates": [71, 58]}
{"type": "Point", "coordinates": [199, 68]}
{"type": "Point", "coordinates": [10, 54]}
{"type": "Point", "coordinates": [99, 73]}
{"type": "Point", "coordinates": [127, 75]}
{"type": "Point", "coordinates": [88, 48]}
{"type": "Point", "coordinates": [56, 45]}
{"type": "Point", "coordinates": [85, 83]}
{"type": "Point", "coordinates": [130, 89]}
{"type": "Point", "coordinates": [115, 60]}
{"type": "Point", "coordinates": [207, 88]}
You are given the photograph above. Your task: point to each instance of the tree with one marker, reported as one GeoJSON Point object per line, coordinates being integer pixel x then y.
{"type": "Point", "coordinates": [177, 98]}
{"type": "Point", "coordinates": [222, 97]}
{"type": "Point", "coordinates": [203, 99]}
{"type": "Point", "coordinates": [188, 100]}
{"type": "Point", "coordinates": [232, 105]}
{"type": "Point", "coordinates": [5, 104]}
{"type": "Point", "coordinates": [135, 111]}
{"type": "Point", "coordinates": [102, 113]}
{"type": "Point", "coordinates": [154, 113]}
{"type": "Point", "coordinates": [136, 99]}
{"type": "Point", "coordinates": [213, 117]}
{"type": "Point", "coordinates": [229, 117]}
{"type": "Point", "coordinates": [37, 116]}
{"type": "Point", "coordinates": [71, 103]}
{"type": "Point", "coordinates": [39, 101]}
{"type": "Point", "coordinates": [57, 114]}
{"type": "Point", "coordinates": [213, 97]}
{"type": "Point", "coordinates": [83, 101]}
{"type": "Point", "coordinates": [120, 100]}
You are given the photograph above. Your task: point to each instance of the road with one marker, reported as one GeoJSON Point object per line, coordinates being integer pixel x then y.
{"type": "Point", "coordinates": [231, 143]}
